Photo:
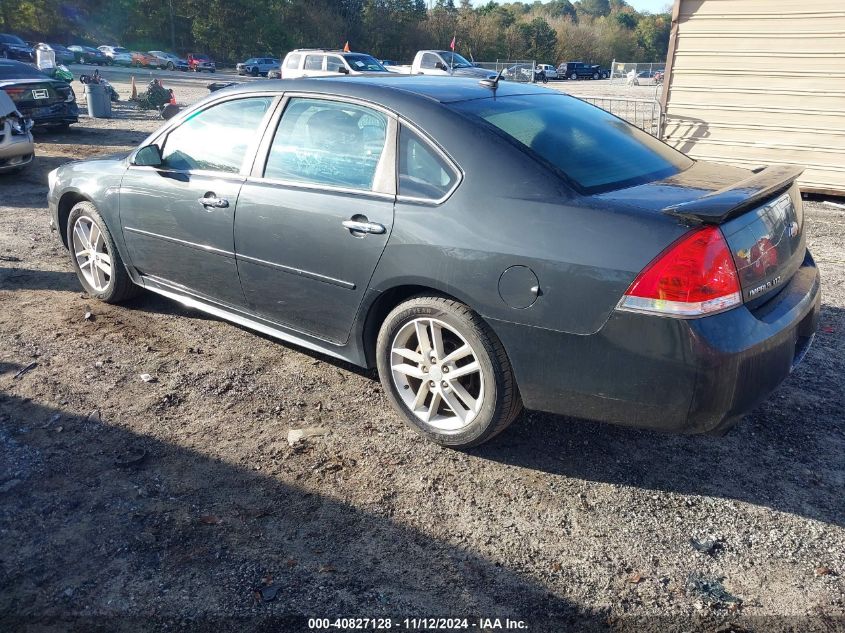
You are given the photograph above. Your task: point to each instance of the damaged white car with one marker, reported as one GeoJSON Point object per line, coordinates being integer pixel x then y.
{"type": "Point", "coordinates": [17, 148]}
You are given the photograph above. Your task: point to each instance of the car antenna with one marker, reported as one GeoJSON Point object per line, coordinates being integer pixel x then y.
{"type": "Point", "coordinates": [492, 83]}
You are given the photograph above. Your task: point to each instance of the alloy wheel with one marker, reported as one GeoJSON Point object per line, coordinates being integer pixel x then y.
{"type": "Point", "coordinates": [437, 374]}
{"type": "Point", "coordinates": [92, 253]}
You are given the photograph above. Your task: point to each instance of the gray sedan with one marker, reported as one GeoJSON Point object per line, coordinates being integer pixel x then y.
{"type": "Point", "coordinates": [485, 246]}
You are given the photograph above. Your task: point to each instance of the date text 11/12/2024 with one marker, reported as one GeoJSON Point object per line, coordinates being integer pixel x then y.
{"type": "Point", "coordinates": [417, 624]}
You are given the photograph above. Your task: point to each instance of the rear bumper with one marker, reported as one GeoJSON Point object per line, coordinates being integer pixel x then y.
{"type": "Point", "coordinates": [59, 114]}
{"type": "Point", "coordinates": [687, 376]}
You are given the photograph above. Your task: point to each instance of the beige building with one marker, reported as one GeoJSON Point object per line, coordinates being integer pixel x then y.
{"type": "Point", "coordinates": [755, 82]}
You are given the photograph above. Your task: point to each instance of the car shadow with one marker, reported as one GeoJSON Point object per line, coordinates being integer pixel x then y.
{"type": "Point", "coordinates": [97, 520]}
{"type": "Point", "coordinates": [80, 134]}
{"type": "Point", "coordinates": [30, 279]}
{"type": "Point", "coordinates": [785, 455]}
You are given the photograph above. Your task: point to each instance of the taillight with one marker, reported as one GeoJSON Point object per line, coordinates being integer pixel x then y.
{"type": "Point", "coordinates": [694, 276]}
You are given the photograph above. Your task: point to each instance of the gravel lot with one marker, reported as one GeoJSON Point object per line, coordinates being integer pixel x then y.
{"type": "Point", "coordinates": [179, 502]}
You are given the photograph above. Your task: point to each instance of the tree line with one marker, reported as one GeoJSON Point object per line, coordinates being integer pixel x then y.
{"type": "Point", "coordinates": [594, 31]}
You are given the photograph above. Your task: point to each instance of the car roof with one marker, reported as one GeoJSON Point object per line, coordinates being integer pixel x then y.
{"type": "Point", "coordinates": [395, 88]}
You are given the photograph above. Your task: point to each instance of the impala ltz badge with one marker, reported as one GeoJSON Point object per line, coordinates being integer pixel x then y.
{"type": "Point", "coordinates": [769, 284]}
{"type": "Point", "coordinates": [40, 93]}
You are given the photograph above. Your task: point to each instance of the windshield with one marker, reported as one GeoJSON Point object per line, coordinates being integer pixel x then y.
{"type": "Point", "coordinates": [454, 60]}
{"type": "Point", "coordinates": [17, 70]}
{"type": "Point", "coordinates": [364, 63]}
{"type": "Point", "coordinates": [11, 39]}
{"type": "Point", "coordinates": [592, 148]}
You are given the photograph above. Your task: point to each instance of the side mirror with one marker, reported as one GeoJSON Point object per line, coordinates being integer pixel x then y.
{"type": "Point", "coordinates": [343, 70]}
{"type": "Point", "coordinates": [148, 156]}
{"type": "Point", "coordinates": [440, 66]}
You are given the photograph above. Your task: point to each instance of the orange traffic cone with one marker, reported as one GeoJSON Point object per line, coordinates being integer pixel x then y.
{"type": "Point", "coordinates": [172, 97]}
{"type": "Point", "coordinates": [134, 96]}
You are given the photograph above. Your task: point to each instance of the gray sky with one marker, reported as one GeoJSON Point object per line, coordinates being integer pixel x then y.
{"type": "Point", "coordinates": [654, 6]}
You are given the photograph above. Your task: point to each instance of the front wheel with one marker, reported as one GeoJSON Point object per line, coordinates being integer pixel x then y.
{"type": "Point", "coordinates": [254, 72]}
{"type": "Point", "coordinates": [94, 256]}
{"type": "Point", "coordinates": [171, 66]}
{"type": "Point", "coordinates": [596, 76]}
{"type": "Point", "coordinates": [573, 76]}
{"type": "Point", "coordinates": [445, 372]}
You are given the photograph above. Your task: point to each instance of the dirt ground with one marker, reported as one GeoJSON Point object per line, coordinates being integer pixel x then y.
{"type": "Point", "coordinates": [178, 503]}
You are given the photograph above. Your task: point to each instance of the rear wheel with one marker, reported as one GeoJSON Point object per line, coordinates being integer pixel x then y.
{"type": "Point", "coordinates": [445, 372]}
{"type": "Point", "coordinates": [95, 258]}
{"type": "Point", "coordinates": [171, 66]}
{"type": "Point", "coordinates": [573, 76]}
{"type": "Point", "coordinates": [596, 75]}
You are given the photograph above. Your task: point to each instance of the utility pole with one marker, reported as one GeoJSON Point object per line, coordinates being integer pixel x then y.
{"type": "Point", "coordinates": [172, 29]}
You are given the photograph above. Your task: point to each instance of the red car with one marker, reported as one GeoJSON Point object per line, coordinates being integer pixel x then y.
{"type": "Point", "coordinates": [199, 63]}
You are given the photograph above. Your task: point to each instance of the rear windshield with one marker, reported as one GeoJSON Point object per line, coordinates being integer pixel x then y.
{"type": "Point", "coordinates": [594, 149]}
{"type": "Point", "coordinates": [364, 63]}
{"type": "Point", "coordinates": [16, 70]}
{"type": "Point", "coordinates": [11, 39]}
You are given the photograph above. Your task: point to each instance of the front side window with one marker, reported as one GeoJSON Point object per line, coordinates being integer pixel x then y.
{"type": "Point", "coordinates": [334, 63]}
{"type": "Point", "coordinates": [313, 62]}
{"type": "Point", "coordinates": [292, 61]}
{"type": "Point", "coordinates": [429, 60]}
{"type": "Point", "coordinates": [327, 143]}
{"type": "Point", "coordinates": [216, 139]}
{"type": "Point", "coordinates": [594, 149]}
{"type": "Point", "coordinates": [423, 173]}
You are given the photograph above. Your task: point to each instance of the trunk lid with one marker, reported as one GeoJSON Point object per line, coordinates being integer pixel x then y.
{"type": "Point", "coordinates": [760, 214]}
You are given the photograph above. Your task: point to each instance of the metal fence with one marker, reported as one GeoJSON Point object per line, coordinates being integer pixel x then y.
{"type": "Point", "coordinates": [646, 114]}
{"type": "Point", "coordinates": [637, 73]}
{"type": "Point", "coordinates": [514, 69]}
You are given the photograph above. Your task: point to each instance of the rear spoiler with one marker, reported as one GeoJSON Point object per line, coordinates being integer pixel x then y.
{"type": "Point", "coordinates": [721, 205]}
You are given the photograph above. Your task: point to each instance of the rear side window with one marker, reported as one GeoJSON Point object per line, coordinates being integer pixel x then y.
{"type": "Point", "coordinates": [313, 62]}
{"type": "Point", "coordinates": [327, 143]}
{"type": "Point", "coordinates": [594, 149]}
{"type": "Point", "coordinates": [216, 139]}
{"type": "Point", "coordinates": [423, 173]}
{"type": "Point", "coordinates": [292, 61]}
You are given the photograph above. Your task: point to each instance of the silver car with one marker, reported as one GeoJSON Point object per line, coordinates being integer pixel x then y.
{"type": "Point", "coordinates": [256, 66]}
{"type": "Point", "coordinates": [16, 145]}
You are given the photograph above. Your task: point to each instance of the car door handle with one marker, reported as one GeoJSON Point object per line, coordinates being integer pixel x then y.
{"type": "Point", "coordinates": [364, 227]}
{"type": "Point", "coordinates": [212, 201]}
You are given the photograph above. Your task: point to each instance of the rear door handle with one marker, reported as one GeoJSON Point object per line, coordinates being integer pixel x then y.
{"type": "Point", "coordinates": [364, 227]}
{"type": "Point", "coordinates": [212, 201]}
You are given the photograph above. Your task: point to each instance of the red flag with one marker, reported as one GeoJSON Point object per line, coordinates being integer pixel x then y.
{"type": "Point", "coordinates": [452, 45]}
{"type": "Point", "coordinates": [346, 47]}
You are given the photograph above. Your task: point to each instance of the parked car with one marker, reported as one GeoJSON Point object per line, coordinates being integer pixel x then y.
{"type": "Point", "coordinates": [48, 102]}
{"type": "Point", "coordinates": [318, 62]}
{"type": "Point", "coordinates": [448, 63]}
{"type": "Point", "coordinates": [116, 55]}
{"type": "Point", "coordinates": [63, 54]}
{"type": "Point", "coordinates": [17, 148]}
{"type": "Point", "coordinates": [13, 47]}
{"type": "Point", "coordinates": [170, 60]}
{"type": "Point", "coordinates": [199, 63]}
{"type": "Point", "coordinates": [389, 62]}
{"type": "Point", "coordinates": [548, 69]}
{"type": "Point", "coordinates": [579, 70]}
{"type": "Point", "coordinates": [87, 55]}
{"type": "Point", "coordinates": [145, 60]}
{"type": "Point", "coordinates": [643, 289]}
{"type": "Point", "coordinates": [256, 66]}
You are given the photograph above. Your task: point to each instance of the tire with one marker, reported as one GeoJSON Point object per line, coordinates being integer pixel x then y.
{"type": "Point", "coordinates": [596, 76]}
{"type": "Point", "coordinates": [212, 71]}
{"type": "Point", "coordinates": [490, 385]}
{"type": "Point", "coordinates": [171, 66]}
{"type": "Point", "coordinates": [254, 72]}
{"type": "Point", "coordinates": [118, 287]}
{"type": "Point", "coordinates": [109, 62]}
{"type": "Point", "coordinates": [574, 76]}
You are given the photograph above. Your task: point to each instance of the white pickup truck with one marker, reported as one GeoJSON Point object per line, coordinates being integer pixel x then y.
{"type": "Point", "coordinates": [442, 63]}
